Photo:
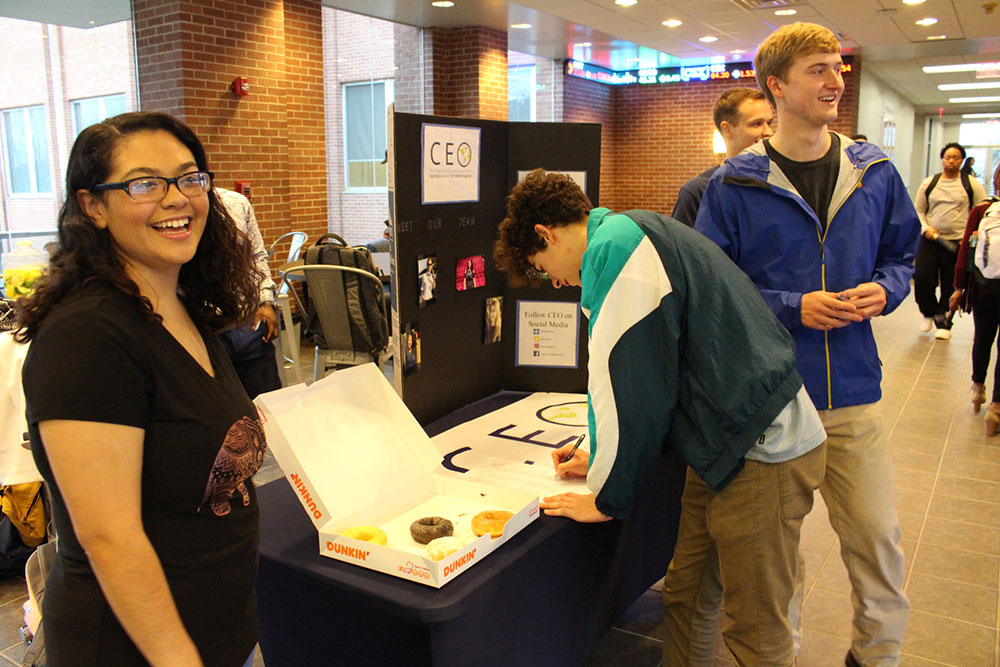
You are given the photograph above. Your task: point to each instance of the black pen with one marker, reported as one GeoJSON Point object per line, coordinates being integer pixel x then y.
{"type": "Point", "coordinates": [579, 441]}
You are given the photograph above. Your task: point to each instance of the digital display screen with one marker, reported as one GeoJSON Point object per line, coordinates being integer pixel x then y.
{"type": "Point", "coordinates": [660, 75]}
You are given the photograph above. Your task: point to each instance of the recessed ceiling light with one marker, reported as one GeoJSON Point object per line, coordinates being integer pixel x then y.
{"type": "Point", "coordinates": [933, 37]}
{"type": "Point", "coordinates": [708, 39]}
{"type": "Point", "coordinates": [672, 23]}
{"type": "Point", "coordinates": [972, 100]}
{"type": "Point", "coordinates": [785, 12]}
{"type": "Point", "coordinates": [583, 45]}
{"type": "Point", "coordinates": [981, 115]}
{"type": "Point", "coordinates": [969, 86]}
{"type": "Point", "coordinates": [442, 3]}
{"type": "Point", "coordinates": [963, 67]}
{"type": "Point", "coordinates": [737, 52]}
{"type": "Point", "coordinates": [626, 3]}
{"type": "Point", "coordinates": [520, 26]}
{"type": "Point", "coordinates": [914, 2]}
{"type": "Point", "coordinates": [930, 20]}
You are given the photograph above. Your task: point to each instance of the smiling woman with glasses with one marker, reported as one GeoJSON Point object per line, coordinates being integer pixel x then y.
{"type": "Point", "coordinates": [137, 420]}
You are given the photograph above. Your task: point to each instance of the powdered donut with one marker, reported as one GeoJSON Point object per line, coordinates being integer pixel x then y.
{"type": "Point", "coordinates": [490, 521]}
{"type": "Point", "coordinates": [430, 528]}
{"type": "Point", "coordinates": [444, 546]}
{"type": "Point", "coordinates": [371, 534]}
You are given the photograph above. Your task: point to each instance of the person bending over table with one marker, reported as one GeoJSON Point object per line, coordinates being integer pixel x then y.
{"type": "Point", "coordinates": [137, 420]}
{"type": "Point", "coordinates": [683, 353]}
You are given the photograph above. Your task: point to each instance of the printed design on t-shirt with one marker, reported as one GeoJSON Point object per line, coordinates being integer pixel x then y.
{"type": "Point", "coordinates": [240, 456]}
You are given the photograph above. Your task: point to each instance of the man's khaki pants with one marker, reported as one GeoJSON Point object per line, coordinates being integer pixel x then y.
{"type": "Point", "coordinates": [751, 529]}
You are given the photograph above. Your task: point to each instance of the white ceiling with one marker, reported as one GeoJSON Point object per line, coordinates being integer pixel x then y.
{"type": "Point", "coordinates": [883, 32]}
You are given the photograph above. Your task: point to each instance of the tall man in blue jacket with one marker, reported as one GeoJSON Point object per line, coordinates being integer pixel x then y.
{"type": "Point", "coordinates": [824, 227]}
{"type": "Point", "coordinates": [683, 353]}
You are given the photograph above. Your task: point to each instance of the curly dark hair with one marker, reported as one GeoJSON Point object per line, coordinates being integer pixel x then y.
{"type": "Point", "coordinates": [552, 200]}
{"type": "Point", "coordinates": [219, 285]}
{"type": "Point", "coordinates": [952, 144]}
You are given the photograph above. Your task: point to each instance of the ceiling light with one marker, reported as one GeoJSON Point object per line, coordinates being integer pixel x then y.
{"type": "Point", "coordinates": [930, 20]}
{"type": "Point", "coordinates": [583, 45]}
{"type": "Point", "coordinates": [981, 115]}
{"type": "Point", "coordinates": [972, 100]}
{"type": "Point", "coordinates": [785, 12]}
{"type": "Point", "coordinates": [442, 3]}
{"type": "Point", "coordinates": [914, 2]}
{"type": "Point", "coordinates": [520, 26]}
{"type": "Point", "coordinates": [672, 23]}
{"type": "Point", "coordinates": [932, 37]}
{"type": "Point", "coordinates": [626, 3]}
{"type": "Point", "coordinates": [708, 39]}
{"type": "Point", "coordinates": [968, 86]}
{"type": "Point", "coordinates": [737, 52]}
{"type": "Point", "coordinates": [962, 67]}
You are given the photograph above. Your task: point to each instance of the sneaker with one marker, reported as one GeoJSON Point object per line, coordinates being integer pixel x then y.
{"type": "Point", "coordinates": [926, 324]}
{"type": "Point", "coordinates": [943, 334]}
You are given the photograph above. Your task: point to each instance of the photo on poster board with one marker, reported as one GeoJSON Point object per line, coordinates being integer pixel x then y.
{"type": "Point", "coordinates": [547, 334]}
{"type": "Point", "coordinates": [470, 273]}
{"type": "Point", "coordinates": [410, 344]}
{"type": "Point", "coordinates": [449, 163]}
{"type": "Point", "coordinates": [493, 310]}
{"type": "Point", "coordinates": [426, 279]}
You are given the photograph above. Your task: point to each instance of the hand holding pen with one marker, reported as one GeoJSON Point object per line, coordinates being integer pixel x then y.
{"type": "Point", "coordinates": [567, 463]}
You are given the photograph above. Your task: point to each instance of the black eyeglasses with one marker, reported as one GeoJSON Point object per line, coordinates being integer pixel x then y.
{"type": "Point", "coordinates": [154, 188]}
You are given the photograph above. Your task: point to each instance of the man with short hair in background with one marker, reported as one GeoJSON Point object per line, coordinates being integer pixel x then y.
{"type": "Point", "coordinates": [824, 227]}
{"type": "Point", "coordinates": [743, 117]}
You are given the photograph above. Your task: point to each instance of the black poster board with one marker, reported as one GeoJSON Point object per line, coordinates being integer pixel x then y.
{"type": "Point", "coordinates": [455, 366]}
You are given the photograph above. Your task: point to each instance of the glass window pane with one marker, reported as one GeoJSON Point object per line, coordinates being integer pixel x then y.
{"type": "Point", "coordinates": [520, 88]}
{"type": "Point", "coordinates": [40, 148]}
{"type": "Point", "coordinates": [113, 105]}
{"type": "Point", "coordinates": [17, 151]}
{"type": "Point", "coordinates": [358, 103]}
{"type": "Point", "coordinates": [85, 113]}
{"type": "Point", "coordinates": [379, 120]}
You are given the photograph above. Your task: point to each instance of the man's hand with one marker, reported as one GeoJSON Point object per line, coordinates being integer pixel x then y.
{"type": "Point", "coordinates": [868, 298]}
{"type": "Point", "coordinates": [266, 314]}
{"type": "Point", "coordinates": [575, 467]}
{"type": "Point", "coordinates": [579, 507]}
{"type": "Point", "coordinates": [824, 311]}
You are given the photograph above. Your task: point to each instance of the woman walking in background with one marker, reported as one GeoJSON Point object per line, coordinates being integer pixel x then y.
{"type": "Point", "coordinates": [970, 295]}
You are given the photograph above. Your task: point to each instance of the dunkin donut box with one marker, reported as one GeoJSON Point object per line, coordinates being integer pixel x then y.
{"type": "Point", "coordinates": [356, 456]}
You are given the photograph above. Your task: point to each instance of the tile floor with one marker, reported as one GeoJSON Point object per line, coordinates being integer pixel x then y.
{"type": "Point", "coordinates": [947, 478]}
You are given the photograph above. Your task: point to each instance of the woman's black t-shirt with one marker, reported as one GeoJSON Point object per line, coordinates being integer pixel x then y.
{"type": "Point", "coordinates": [96, 358]}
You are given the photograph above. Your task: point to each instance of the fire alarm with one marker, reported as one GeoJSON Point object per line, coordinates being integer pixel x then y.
{"type": "Point", "coordinates": [240, 86]}
{"type": "Point", "coordinates": [244, 188]}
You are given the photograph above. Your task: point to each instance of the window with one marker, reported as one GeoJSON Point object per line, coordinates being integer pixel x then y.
{"type": "Point", "coordinates": [92, 110]}
{"type": "Point", "coordinates": [27, 144]}
{"type": "Point", "coordinates": [982, 142]}
{"type": "Point", "coordinates": [365, 133]}
{"type": "Point", "coordinates": [521, 93]}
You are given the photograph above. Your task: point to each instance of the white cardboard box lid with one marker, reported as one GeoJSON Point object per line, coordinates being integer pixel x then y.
{"type": "Point", "coordinates": [349, 436]}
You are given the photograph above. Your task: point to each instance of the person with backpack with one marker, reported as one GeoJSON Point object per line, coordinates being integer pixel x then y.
{"type": "Point", "coordinates": [977, 289]}
{"type": "Point", "coordinates": [943, 202]}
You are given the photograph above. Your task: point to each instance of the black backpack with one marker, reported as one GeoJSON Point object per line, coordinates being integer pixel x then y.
{"type": "Point", "coordinates": [365, 298]}
{"type": "Point", "coordinates": [965, 184]}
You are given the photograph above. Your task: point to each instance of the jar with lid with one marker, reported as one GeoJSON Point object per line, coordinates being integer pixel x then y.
{"type": "Point", "coordinates": [22, 269]}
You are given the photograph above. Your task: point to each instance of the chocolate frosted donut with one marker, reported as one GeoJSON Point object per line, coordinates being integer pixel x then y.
{"type": "Point", "coordinates": [430, 528]}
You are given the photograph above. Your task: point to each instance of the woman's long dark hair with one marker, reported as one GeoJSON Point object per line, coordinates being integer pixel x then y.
{"type": "Point", "coordinates": [219, 285]}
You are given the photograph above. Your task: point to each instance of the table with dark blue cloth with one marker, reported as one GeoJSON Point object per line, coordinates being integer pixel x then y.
{"type": "Point", "coordinates": [544, 598]}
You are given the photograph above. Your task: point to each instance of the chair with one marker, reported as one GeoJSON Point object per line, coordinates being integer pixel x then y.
{"type": "Point", "coordinates": [328, 293]}
{"type": "Point", "coordinates": [298, 241]}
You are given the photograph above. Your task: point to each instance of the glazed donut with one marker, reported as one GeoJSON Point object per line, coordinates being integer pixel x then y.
{"type": "Point", "coordinates": [430, 528]}
{"type": "Point", "coordinates": [444, 546]}
{"type": "Point", "coordinates": [490, 521]}
{"type": "Point", "coordinates": [371, 534]}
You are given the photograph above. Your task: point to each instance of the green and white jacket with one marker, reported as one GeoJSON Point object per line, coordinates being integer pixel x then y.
{"type": "Point", "coordinates": [683, 352]}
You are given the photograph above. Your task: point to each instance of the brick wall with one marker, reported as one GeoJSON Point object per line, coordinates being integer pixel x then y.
{"type": "Point", "coordinates": [470, 72]}
{"type": "Point", "coordinates": [188, 54]}
{"type": "Point", "coordinates": [357, 49]}
{"type": "Point", "coordinates": [655, 138]}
